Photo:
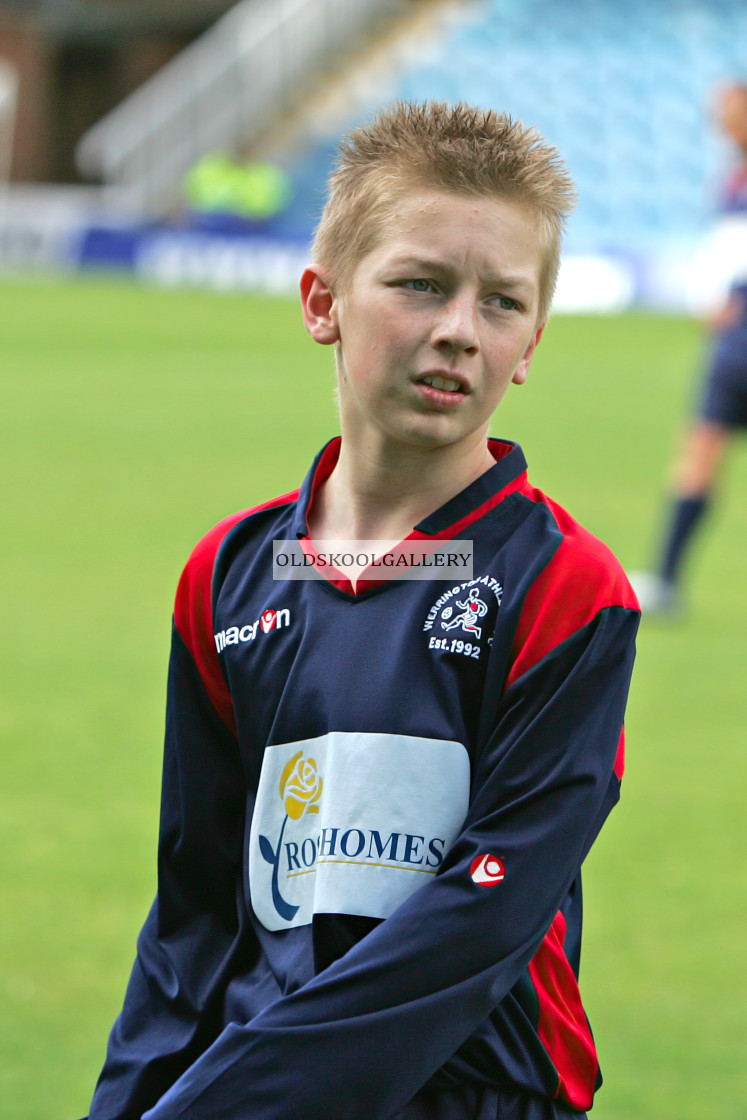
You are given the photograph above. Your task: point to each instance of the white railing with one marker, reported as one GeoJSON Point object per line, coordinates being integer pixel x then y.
{"type": "Point", "coordinates": [224, 90]}
{"type": "Point", "coordinates": [8, 109]}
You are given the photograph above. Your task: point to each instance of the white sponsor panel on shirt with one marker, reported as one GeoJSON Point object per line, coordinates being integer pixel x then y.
{"type": "Point", "coordinates": [352, 823]}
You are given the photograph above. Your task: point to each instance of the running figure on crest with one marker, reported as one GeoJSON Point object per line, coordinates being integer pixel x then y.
{"type": "Point", "coordinates": [472, 609]}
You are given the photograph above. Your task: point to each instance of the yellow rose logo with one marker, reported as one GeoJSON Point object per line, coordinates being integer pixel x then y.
{"type": "Point", "coordinates": [300, 787]}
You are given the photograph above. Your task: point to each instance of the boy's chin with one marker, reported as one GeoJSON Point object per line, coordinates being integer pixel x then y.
{"type": "Point", "coordinates": [438, 437]}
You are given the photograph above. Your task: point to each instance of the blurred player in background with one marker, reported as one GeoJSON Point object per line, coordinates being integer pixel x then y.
{"type": "Point", "coordinates": [722, 407]}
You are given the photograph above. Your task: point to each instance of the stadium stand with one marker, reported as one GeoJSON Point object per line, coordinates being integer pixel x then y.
{"type": "Point", "coordinates": [622, 88]}
{"type": "Point", "coordinates": [224, 91]}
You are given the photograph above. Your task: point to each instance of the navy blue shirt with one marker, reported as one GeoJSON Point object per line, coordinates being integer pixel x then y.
{"type": "Point", "coordinates": [376, 803]}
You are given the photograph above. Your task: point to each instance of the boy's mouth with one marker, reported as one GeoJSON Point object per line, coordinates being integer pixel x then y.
{"type": "Point", "coordinates": [443, 383]}
{"type": "Point", "coordinates": [442, 391]}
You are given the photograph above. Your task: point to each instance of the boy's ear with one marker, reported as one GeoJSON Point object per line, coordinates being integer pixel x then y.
{"type": "Point", "coordinates": [319, 306]}
{"type": "Point", "coordinates": [522, 369]}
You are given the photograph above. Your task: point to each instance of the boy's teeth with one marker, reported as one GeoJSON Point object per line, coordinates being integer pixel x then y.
{"type": "Point", "coordinates": [443, 383]}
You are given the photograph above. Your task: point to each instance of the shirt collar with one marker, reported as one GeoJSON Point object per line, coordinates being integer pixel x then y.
{"type": "Point", "coordinates": [472, 502]}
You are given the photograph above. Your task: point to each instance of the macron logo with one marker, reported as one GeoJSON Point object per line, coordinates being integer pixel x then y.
{"type": "Point", "coordinates": [267, 621]}
{"type": "Point", "coordinates": [487, 870]}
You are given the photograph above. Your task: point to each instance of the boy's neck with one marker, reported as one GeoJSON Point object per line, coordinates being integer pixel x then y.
{"type": "Point", "coordinates": [376, 497]}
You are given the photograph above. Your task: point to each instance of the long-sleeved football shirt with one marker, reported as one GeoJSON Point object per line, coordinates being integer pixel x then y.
{"type": "Point", "coordinates": [375, 807]}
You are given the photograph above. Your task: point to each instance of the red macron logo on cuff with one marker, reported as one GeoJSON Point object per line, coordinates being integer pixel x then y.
{"type": "Point", "coordinates": [487, 870]}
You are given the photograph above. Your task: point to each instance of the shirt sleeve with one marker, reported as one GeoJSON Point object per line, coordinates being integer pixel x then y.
{"type": "Point", "coordinates": [360, 1039]}
{"type": "Point", "coordinates": [189, 946]}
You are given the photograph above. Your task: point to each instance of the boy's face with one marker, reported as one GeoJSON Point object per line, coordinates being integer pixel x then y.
{"type": "Point", "coordinates": [435, 322]}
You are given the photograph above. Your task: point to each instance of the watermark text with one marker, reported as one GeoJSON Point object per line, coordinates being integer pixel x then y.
{"type": "Point", "coordinates": [372, 560]}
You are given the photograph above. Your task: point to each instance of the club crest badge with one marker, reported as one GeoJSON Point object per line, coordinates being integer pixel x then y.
{"type": "Point", "coordinates": [462, 620]}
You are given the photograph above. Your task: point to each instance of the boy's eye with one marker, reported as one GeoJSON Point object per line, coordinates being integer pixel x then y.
{"type": "Point", "coordinates": [418, 285]}
{"type": "Point", "coordinates": [506, 303]}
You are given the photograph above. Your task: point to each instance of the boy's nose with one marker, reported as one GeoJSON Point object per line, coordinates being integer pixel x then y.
{"type": "Point", "coordinates": [456, 325]}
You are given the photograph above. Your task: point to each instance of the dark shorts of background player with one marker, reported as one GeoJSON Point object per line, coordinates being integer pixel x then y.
{"type": "Point", "coordinates": [724, 396]}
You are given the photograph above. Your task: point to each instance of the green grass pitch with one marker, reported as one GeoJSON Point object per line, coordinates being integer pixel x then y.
{"type": "Point", "coordinates": [132, 420]}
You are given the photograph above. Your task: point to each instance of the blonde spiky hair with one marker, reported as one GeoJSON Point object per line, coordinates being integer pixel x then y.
{"type": "Point", "coordinates": [437, 146]}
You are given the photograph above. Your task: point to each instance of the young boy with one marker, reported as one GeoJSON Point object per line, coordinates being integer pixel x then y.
{"type": "Point", "coordinates": [377, 797]}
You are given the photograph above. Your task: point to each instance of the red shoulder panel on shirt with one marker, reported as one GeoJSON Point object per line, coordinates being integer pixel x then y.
{"type": "Point", "coordinates": [193, 609]}
{"type": "Point", "coordinates": [582, 579]}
